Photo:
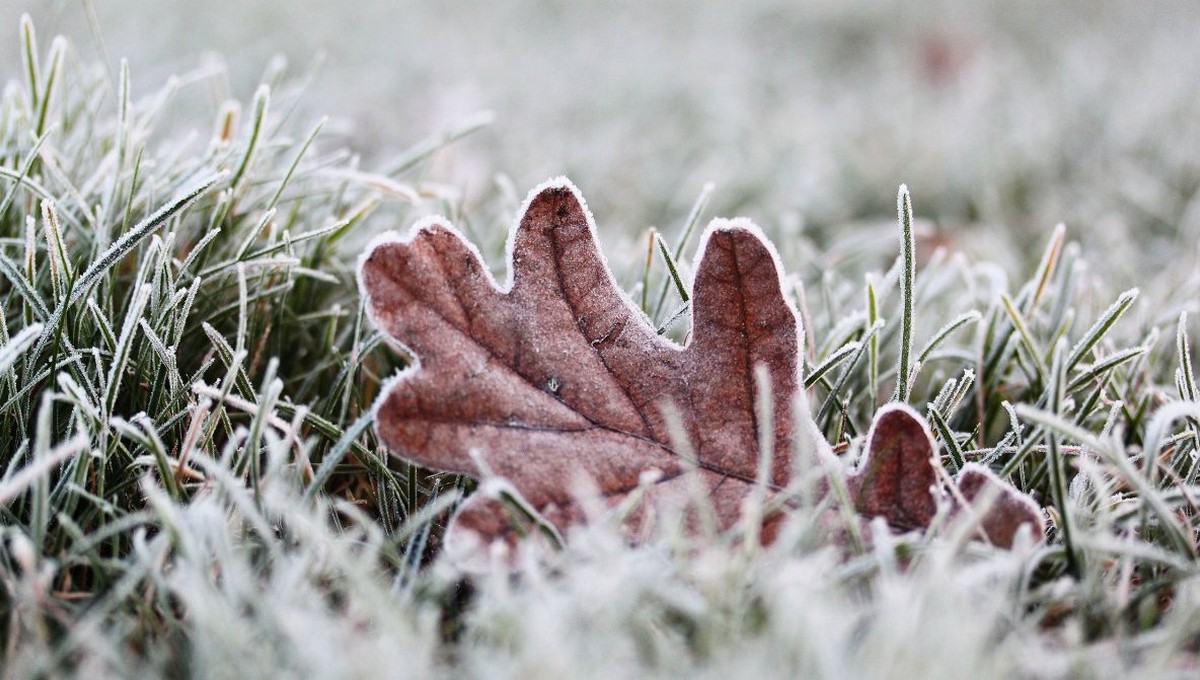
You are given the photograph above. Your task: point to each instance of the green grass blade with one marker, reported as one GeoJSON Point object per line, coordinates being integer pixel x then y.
{"type": "Point", "coordinates": [1026, 338]}
{"type": "Point", "coordinates": [335, 455]}
{"type": "Point", "coordinates": [908, 246]}
{"type": "Point", "coordinates": [945, 332]}
{"type": "Point", "coordinates": [1058, 468]}
{"type": "Point", "coordinates": [957, 459]}
{"type": "Point", "coordinates": [262, 99]}
{"type": "Point", "coordinates": [1101, 327]}
{"type": "Point", "coordinates": [128, 241]}
{"type": "Point", "coordinates": [831, 362]}
{"type": "Point", "coordinates": [11, 351]}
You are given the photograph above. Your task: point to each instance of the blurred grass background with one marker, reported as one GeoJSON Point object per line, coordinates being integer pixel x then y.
{"type": "Point", "coordinates": [1014, 115]}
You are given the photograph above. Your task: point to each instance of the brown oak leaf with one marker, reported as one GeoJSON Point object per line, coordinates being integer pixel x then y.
{"type": "Point", "coordinates": [557, 374]}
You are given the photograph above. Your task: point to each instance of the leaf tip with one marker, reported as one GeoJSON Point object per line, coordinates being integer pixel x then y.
{"type": "Point", "coordinates": [556, 201]}
{"type": "Point", "coordinates": [740, 230]}
{"type": "Point", "coordinates": [898, 417]}
{"type": "Point", "coordinates": [557, 190]}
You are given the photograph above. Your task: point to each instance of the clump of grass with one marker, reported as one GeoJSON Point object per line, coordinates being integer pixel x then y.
{"type": "Point", "coordinates": [191, 484]}
{"type": "Point", "coordinates": [169, 297]}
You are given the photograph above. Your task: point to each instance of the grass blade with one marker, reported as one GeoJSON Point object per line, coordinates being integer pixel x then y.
{"type": "Point", "coordinates": [1058, 468]}
{"type": "Point", "coordinates": [133, 237]}
{"type": "Point", "coordinates": [908, 247]}
{"type": "Point", "coordinates": [14, 348]}
{"type": "Point", "coordinates": [262, 99]}
{"type": "Point", "coordinates": [331, 460]}
{"type": "Point", "coordinates": [1101, 327]}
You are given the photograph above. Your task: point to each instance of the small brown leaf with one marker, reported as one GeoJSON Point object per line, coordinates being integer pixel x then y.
{"type": "Point", "coordinates": [558, 373]}
{"type": "Point", "coordinates": [899, 481]}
